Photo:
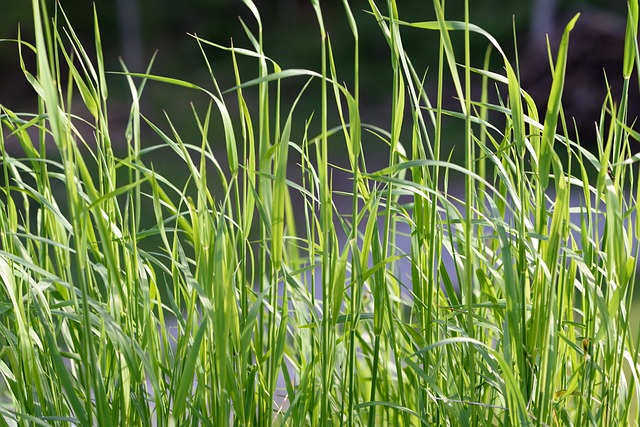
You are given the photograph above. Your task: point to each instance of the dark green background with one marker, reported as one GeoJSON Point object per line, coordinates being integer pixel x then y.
{"type": "Point", "coordinates": [291, 38]}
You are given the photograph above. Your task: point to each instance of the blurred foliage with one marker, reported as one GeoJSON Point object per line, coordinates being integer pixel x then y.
{"type": "Point", "coordinates": [291, 38]}
{"type": "Point", "coordinates": [290, 27]}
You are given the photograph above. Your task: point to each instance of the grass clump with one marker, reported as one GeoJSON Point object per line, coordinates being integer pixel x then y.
{"type": "Point", "coordinates": [250, 295]}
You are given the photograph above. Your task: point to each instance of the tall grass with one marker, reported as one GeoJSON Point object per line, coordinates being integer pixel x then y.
{"type": "Point", "coordinates": [251, 296]}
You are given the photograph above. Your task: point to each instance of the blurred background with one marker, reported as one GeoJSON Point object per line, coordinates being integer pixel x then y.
{"type": "Point", "coordinates": [135, 29]}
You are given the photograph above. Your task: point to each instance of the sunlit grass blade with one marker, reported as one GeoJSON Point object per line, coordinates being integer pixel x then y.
{"type": "Point", "coordinates": [553, 107]}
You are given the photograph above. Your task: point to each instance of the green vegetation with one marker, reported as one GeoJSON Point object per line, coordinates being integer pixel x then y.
{"type": "Point", "coordinates": [257, 294]}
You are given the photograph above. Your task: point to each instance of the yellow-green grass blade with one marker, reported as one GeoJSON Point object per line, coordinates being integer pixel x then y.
{"type": "Point", "coordinates": [185, 384]}
{"type": "Point", "coordinates": [630, 39]}
{"type": "Point", "coordinates": [280, 187]}
{"type": "Point", "coordinates": [553, 106]}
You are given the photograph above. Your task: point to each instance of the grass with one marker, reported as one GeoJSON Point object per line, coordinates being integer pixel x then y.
{"type": "Point", "coordinates": [256, 293]}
